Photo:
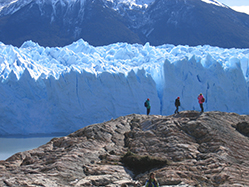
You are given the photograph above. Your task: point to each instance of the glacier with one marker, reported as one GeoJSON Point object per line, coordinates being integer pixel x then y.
{"type": "Point", "coordinates": [59, 90]}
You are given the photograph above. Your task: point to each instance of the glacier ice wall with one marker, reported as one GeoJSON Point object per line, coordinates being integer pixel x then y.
{"type": "Point", "coordinates": [59, 90]}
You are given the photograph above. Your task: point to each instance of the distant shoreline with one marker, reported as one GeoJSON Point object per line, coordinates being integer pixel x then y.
{"type": "Point", "coordinates": [12, 145]}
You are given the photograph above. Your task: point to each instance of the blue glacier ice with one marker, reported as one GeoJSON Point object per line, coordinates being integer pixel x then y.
{"type": "Point", "coordinates": [59, 90]}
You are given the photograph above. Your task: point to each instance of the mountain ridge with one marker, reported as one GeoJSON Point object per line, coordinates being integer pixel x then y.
{"type": "Point", "coordinates": [100, 23]}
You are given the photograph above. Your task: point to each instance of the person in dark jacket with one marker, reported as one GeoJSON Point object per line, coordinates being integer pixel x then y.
{"type": "Point", "coordinates": [147, 105]}
{"type": "Point", "coordinates": [152, 182]}
{"type": "Point", "coordinates": [177, 104]}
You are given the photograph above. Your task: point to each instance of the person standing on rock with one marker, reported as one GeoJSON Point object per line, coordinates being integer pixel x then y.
{"type": "Point", "coordinates": [201, 100]}
{"type": "Point", "coordinates": [152, 182]}
{"type": "Point", "coordinates": [177, 104]}
{"type": "Point", "coordinates": [147, 105]}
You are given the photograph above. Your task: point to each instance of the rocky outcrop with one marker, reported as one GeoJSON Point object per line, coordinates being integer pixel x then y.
{"type": "Point", "coordinates": [187, 149]}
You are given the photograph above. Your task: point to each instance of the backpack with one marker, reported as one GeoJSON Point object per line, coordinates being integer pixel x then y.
{"type": "Point", "coordinates": [203, 100]}
{"type": "Point", "coordinates": [153, 184]}
{"type": "Point", "coordinates": [145, 104]}
{"type": "Point", "coordinates": [177, 102]}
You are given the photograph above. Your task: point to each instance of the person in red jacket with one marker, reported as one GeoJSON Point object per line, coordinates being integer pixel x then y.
{"type": "Point", "coordinates": [201, 100]}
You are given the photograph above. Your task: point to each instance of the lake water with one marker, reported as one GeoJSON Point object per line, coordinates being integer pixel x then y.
{"type": "Point", "coordinates": [10, 146]}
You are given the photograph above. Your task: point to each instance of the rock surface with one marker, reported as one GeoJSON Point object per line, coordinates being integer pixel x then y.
{"type": "Point", "coordinates": [211, 149]}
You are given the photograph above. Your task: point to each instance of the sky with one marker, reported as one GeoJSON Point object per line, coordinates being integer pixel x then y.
{"type": "Point", "coordinates": [238, 5]}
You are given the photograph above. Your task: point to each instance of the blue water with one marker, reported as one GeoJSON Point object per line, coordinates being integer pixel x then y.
{"type": "Point", "coordinates": [10, 146]}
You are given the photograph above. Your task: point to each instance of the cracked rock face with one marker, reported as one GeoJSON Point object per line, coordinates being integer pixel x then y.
{"type": "Point", "coordinates": [211, 149]}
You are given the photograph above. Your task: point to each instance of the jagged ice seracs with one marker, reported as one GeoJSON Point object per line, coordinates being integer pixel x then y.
{"type": "Point", "coordinates": [61, 89]}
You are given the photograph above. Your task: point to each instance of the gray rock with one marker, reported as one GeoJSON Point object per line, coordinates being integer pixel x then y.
{"type": "Point", "coordinates": [187, 149]}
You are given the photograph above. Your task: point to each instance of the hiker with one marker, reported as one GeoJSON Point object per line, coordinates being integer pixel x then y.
{"type": "Point", "coordinates": [177, 104]}
{"type": "Point", "coordinates": [147, 105]}
{"type": "Point", "coordinates": [201, 100]}
{"type": "Point", "coordinates": [152, 182]}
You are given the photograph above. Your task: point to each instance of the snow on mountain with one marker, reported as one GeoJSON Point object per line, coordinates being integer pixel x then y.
{"type": "Point", "coordinates": [102, 22]}
{"type": "Point", "coordinates": [130, 3]}
{"type": "Point", "coordinates": [14, 5]}
{"type": "Point", "coordinates": [59, 90]}
{"type": "Point", "coordinates": [11, 6]}
{"type": "Point", "coordinates": [214, 2]}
